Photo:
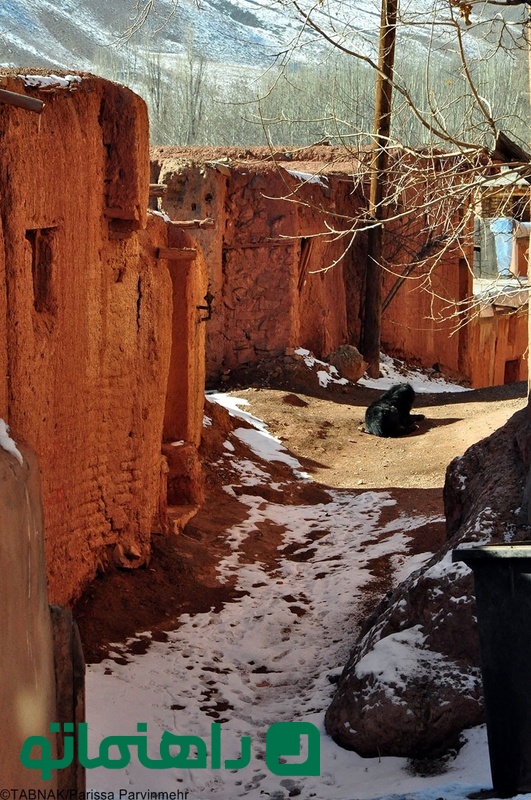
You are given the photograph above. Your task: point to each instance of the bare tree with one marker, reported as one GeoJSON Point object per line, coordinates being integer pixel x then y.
{"type": "Point", "coordinates": [465, 121]}
{"type": "Point", "coordinates": [457, 85]}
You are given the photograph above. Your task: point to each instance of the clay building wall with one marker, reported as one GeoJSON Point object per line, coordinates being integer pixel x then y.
{"type": "Point", "coordinates": [425, 286]}
{"type": "Point", "coordinates": [422, 321]}
{"type": "Point", "coordinates": [498, 343]}
{"type": "Point", "coordinates": [87, 307]}
{"type": "Point", "coordinates": [277, 272]}
{"type": "Point", "coordinates": [280, 276]}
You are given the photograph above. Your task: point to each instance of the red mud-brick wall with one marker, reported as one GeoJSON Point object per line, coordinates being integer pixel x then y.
{"type": "Point", "coordinates": [270, 257]}
{"type": "Point", "coordinates": [325, 311]}
{"type": "Point", "coordinates": [88, 320]}
{"type": "Point", "coordinates": [421, 322]}
{"type": "Point", "coordinates": [498, 343]}
{"type": "Point", "coordinates": [197, 191]}
{"type": "Point", "coordinates": [424, 319]}
{"type": "Point", "coordinates": [269, 254]}
{"type": "Point", "coordinates": [260, 249]}
{"type": "Point", "coordinates": [183, 417]}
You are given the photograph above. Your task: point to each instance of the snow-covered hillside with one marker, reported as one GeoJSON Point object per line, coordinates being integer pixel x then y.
{"type": "Point", "coordinates": [76, 35]}
{"type": "Point", "coordinates": [85, 34]}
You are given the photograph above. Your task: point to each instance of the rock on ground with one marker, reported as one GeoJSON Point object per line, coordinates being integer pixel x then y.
{"type": "Point", "coordinates": [412, 682]}
{"type": "Point", "coordinates": [348, 361]}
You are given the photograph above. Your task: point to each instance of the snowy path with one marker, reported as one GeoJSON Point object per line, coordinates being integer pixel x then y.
{"type": "Point", "coordinates": [268, 658]}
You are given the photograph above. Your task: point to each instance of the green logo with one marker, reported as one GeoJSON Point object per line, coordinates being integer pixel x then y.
{"type": "Point", "coordinates": [292, 748]}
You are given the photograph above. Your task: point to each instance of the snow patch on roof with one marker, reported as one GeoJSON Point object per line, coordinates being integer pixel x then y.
{"type": "Point", "coordinates": [50, 81]}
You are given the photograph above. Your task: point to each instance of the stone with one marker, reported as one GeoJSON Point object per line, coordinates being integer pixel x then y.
{"type": "Point", "coordinates": [348, 361]}
{"type": "Point", "coordinates": [128, 556]}
{"type": "Point", "coordinates": [412, 682]}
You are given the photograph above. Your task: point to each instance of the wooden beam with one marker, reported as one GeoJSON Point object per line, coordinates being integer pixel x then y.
{"type": "Point", "coordinates": [193, 223]}
{"type": "Point", "coordinates": [157, 189]}
{"type": "Point", "coordinates": [177, 253]}
{"type": "Point", "coordinates": [21, 101]}
{"type": "Point", "coordinates": [266, 244]}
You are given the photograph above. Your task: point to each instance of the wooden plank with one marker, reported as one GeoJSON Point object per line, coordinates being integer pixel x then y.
{"type": "Point", "coordinates": [177, 253]}
{"type": "Point", "coordinates": [157, 189]}
{"type": "Point", "coordinates": [21, 101]}
{"type": "Point", "coordinates": [193, 223]}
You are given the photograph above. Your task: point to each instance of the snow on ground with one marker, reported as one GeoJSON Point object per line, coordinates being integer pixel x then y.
{"type": "Point", "coordinates": [258, 439]}
{"type": "Point", "coordinates": [420, 381]}
{"type": "Point", "coordinates": [326, 373]}
{"type": "Point", "coordinates": [269, 656]}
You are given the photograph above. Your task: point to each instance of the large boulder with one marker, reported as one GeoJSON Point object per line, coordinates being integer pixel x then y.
{"type": "Point", "coordinates": [348, 361]}
{"type": "Point", "coordinates": [412, 682]}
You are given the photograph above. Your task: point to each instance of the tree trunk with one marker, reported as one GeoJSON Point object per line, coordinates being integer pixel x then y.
{"type": "Point", "coordinates": [371, 324]}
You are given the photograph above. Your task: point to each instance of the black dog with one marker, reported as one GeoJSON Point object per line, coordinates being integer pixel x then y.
{"type": "Point", "coordinates": [391, 414]}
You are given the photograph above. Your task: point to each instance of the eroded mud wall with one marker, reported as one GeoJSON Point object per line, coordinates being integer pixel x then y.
{"type": "Point", "coordinates": [422, 322]}
{"type": "Point", "coordinates": [498, 347]}
{"type": "Point", "coordinates": [275, 270]}
{"type": "Point", "coordinates": [87, 314]}
{"type": "Point", "coordinates": [280, 275]}
{"type": "Point", "coordinates": [428, 252]}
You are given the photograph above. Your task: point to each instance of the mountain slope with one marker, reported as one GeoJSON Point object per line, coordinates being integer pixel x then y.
{"type": "Point", "coordinates": [80, 35]}
{"type": "Point", "coordinates": [76, 35]}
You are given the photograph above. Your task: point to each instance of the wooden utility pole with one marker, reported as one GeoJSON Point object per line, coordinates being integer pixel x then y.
{"type": "Point", "coordinates": [528, 41]}
{"type": "Point", "coordinates": [371, 322]}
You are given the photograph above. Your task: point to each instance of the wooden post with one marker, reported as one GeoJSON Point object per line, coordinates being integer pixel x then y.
{"type": "Point", "coordinates": [528, 41]}
{"type": "Point", "coordinates": [21, 101]}
{"type": "Point", "coordinates": [372, 315]}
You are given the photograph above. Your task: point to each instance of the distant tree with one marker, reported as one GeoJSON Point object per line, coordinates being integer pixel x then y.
{"type": "Point", "coordinates": [149, 10]}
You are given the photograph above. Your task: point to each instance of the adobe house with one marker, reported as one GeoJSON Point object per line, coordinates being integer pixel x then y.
{"type": "Point", "coordinates": [505, 197]}
{"type": "Point", "coordinates": [97, 309]}
{"type": "Point", "coordinates": [272, 286]}
{"type": "Point", "coordinates": [101, 376]}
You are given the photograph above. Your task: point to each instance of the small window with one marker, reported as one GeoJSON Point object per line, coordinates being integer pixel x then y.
{"type": "Point", "coordinates": [42, 243]}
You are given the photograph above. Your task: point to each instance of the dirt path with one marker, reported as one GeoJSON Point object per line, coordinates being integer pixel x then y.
{"type": "Point", "coordinates": [322, 431]}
